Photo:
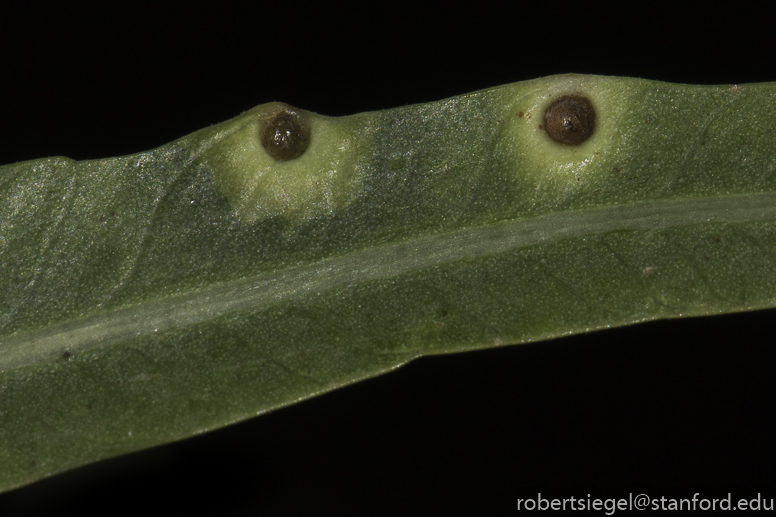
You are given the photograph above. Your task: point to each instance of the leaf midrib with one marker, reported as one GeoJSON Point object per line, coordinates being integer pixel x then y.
{"type": "Point", "coordinates": [110, 327]}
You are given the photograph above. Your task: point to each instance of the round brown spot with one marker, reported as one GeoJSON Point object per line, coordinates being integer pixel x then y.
{"type": "Point", "coordinates": [570, 120]}
{"type": "Point", "coordinates": [285, 136]}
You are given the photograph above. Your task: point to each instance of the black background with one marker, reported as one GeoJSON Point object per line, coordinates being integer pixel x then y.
{"type": "Point", "coordinates": [666, 408]}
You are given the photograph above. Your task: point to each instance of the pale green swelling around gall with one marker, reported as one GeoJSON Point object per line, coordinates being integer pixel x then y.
{"type": "Point", "coordinates": [282, 254]}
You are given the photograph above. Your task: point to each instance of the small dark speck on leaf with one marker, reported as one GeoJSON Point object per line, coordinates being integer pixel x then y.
{"type": "Point", "coordinates": [67, 354]}
{"type": "Point", "coordinates": [104, 218]}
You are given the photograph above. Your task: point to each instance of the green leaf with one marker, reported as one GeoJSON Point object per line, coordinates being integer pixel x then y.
{"type": "Point", "coordinates": [151, 297]}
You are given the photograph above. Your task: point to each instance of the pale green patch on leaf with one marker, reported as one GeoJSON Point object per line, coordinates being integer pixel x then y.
{"type": "Point", "coordinates": [323, 179]}
{"type": "Point", "coordinates": [147, 298]}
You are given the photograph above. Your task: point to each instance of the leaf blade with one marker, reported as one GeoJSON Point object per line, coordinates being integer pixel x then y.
{"type": "Point", "coordinates": [178, 346]}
